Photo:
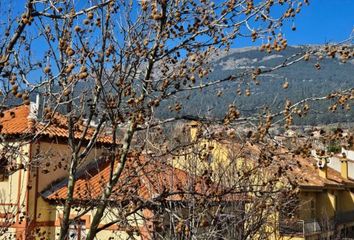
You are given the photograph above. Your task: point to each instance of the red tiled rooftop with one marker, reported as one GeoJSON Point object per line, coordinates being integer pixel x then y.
{"type": "Point", "coordinates": [16, 121]}
{"type": "Point", "coordinates": [141, 179]}
{"type": "Point", "coordinates": [305, 173]}
{"type": "Point", "coordinates": [302, 170]}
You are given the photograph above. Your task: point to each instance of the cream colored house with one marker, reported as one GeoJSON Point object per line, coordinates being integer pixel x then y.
{"type": "Point", "coordinates": [28, 166]}
{"type": "Point", "coordinates": [326, 191]}
{"type": "Point", "coordinates": [33, 184]}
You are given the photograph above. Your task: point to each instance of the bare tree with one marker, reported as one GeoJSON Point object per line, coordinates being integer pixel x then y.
{"type": "Point", "coordinates": [118, 64]}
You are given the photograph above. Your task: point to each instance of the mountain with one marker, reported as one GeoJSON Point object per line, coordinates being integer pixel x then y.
{"type": "Point", "coordinates": [304, 79]}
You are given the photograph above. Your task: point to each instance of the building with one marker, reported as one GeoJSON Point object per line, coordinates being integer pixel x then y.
{"type": "Point", "coordinates": [324, 206]}
{"type": "Point", "coordinates": [326, 202]}
{"type": "Point", "coordinates": [148, 192]}
{"type": "Point", "coordinates": [33, 177]}
{"type": "Point", "coordinates": [33, 154]}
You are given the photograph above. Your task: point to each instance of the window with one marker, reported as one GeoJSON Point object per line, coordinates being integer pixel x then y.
{"type": "Point", "coordinates": [77, 230]}
{"type": "Point", "coordinates": [4, 176]}
{"type": "Point", "coordinates": [313, 209]}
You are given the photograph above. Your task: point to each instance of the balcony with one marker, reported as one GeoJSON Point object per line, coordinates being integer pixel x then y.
{"type": "Point", "coordinates": [299, 227]}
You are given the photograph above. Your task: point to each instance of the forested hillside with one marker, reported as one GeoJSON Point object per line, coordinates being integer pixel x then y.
{"type": "Point", "coordinates": [305, 80]}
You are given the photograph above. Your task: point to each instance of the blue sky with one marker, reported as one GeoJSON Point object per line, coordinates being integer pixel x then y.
{"type": "Point", "coordinates": [323, 21]}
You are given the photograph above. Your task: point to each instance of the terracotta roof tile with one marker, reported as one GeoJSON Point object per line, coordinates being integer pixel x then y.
{"type": "Point", "coordinates": [140, 178]}
{"type": "Point", "coordinates": [16, 121]}
{"type": "Point", "coordinates": [306, 174]}
{"type": "Point", "coordinates": [303, 171]}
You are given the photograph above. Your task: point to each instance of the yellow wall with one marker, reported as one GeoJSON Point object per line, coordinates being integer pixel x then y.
{"type": "Point", "coordinates": [113, 232]}
{"type": "Point", "coordinates": [345, 201]}
{"type": "Point", "coordinates": [49, 156]}
{"type": "Point", "coordinates": [315, 205]}
{"type": "Point", "coordinates": [42, 171]}
{"type": "Point", "coordinates": [13, 191]}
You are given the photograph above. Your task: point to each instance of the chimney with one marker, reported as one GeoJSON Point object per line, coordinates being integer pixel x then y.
{"type": "Point", "coordinates": [321, 162]}
{"type": "Point", "coordinates": [194, 129]}
{"type": "Point", "coordinates": [33, 113]}
{"type": "Point", "coordinates": [344, 168]}
{"type": "Point", "coordinates": [322, 167]}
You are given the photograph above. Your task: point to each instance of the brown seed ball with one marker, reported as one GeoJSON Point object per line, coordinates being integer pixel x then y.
{"type": "Point", "coordinates": [66, 92]}
{"type": "Point", "coordinates": [77, 29]}
{"type": "Point", "coordinates": [86, 21]}
{"type": "Point", "coordinates": [83, 75]}
{"type": "Point", "coordinates": [47, 69]}
{"type": "Point", "coordinates": [192, 78]}
{"type": "Point", "coordinates": [68, 70]}
{"type": "Point", "coordinates": [285, 85]}
{"type": "Point", "coordinates": [25, 96]}
{"type": "Point", "coordinates": [25, 20]}
{"type": "Point", "coordinates": [306, 57]}
{"type": "Point", "coordinates": [70, 51]}
{"type": "Point", "coordinates": [90, 15]}
{"type": "Point", "coordinates": [248, 92]}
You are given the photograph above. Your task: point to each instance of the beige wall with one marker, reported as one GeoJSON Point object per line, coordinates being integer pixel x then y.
{"type": "Point", "coordinates": [46, 159]}
{"type": "Point", "coordinates": [13, 192]}
{"type": "Point", "coordinates": [51, 159]}
{"type": "Point", "coordinates": [114, 232]}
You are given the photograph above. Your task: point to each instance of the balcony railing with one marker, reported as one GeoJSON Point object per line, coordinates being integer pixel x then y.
{"type": "Point", "coordinates": [299, 227]}
{"type": "Point", "coordinates": [308, 227]}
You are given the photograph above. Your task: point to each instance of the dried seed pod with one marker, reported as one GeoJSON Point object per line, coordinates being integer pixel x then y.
{"type": "Point", "coordinates": [286, 85]}
{"type": "Point", "coordinates": [77, 29]}
{"type": "Point", "coordinates": [69, 51]}
{"type": "Point", "coordinates": [47, 69]}
{"type": "Point", "coordinates": [90, 15]}
{"type": "Point", "coordinates": [83, 75]}
{"type": "Point", "coordinates": [25, 96]}
{"type": "Point", "coordinates": [306, 56]}
{"type": "Point", "coordinates": [248, 92]}
{"type": "Point", "coordinates": [66, 92]}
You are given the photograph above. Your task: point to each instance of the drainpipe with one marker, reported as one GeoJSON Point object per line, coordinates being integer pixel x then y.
{"type": "Point", "coordinates": [36, 195]}
{"type": "Point", "coordinates": [27, 223]}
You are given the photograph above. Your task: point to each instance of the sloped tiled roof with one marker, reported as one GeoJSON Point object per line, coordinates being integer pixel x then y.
{"type": "Point", "coordinates": [305, 173]}
{"type": "Point", "coordinates": [16, 121]}
{"type": "Point", "coordinates": [302, 170]}
{"type": "Point", "coordinates": [140, 179]}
